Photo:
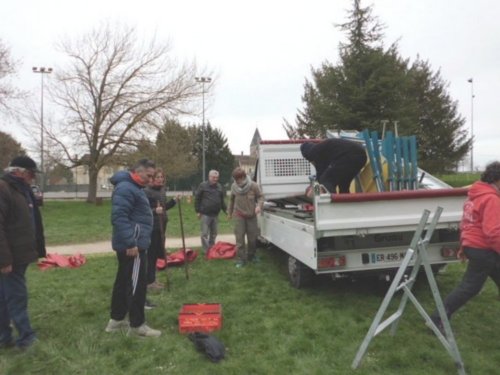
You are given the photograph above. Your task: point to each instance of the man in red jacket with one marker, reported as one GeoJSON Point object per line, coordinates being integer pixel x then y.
{"type": "Point", "coordinates": [479, 239]}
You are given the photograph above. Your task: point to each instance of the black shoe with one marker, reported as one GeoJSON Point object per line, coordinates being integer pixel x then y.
{"type": "Point", "coordinates": [149, 305]}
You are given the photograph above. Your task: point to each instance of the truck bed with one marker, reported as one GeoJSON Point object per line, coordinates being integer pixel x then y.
{"type": "Point", "coordinates": [349, 233]}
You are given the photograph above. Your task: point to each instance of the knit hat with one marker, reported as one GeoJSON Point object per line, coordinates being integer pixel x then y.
{"type": "Point", "coordinates": [24, 162]}
{"type": "Point", "coordinates": [306, 148]}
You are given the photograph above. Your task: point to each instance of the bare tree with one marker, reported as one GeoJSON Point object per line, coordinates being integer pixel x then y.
{"type": "Point", "coordinates": [8, 92]}
{"type": "Point", "coordinates": [115, 91]}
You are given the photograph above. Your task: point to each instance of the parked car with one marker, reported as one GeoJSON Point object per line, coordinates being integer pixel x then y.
{"type": "Point", "coordinates": [37, 192]}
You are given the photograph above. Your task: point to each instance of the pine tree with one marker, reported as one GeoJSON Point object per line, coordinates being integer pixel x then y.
{"type": "Point", "coordinates": [10, 149]}
{"type": "Point", "coordinates": [218, 155]}
{"type": "Point", "coordinates": [439, 128]}
{"type": "Point", "coordinates": [372, 84]}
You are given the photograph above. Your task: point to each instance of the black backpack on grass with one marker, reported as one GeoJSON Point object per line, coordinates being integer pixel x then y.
{"type": "Point", "coordinates": [209, 345]}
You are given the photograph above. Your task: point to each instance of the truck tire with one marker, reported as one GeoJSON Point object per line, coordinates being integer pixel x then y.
{"type": "Point", "coordinates": [299, 274]}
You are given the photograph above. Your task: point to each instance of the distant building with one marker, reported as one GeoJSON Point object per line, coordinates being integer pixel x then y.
{"type": "Point", "coordinates": [81, 175]}
{"type": "Point", "coordinates": [254, 144]}
{"type": "Point", "coordinates": [248, 162]}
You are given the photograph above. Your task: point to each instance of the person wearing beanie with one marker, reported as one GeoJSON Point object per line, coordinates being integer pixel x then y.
{"type": "Point", "coordinates": [337, 162]}
{"type": "Point", "coordinates": [21, 242]}
{"type": "Point", "coordinates": [479, 241]}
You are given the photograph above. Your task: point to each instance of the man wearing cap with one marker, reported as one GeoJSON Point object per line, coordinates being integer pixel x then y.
{"type": "Point", "coordinates": [337, 162]}
{"type": "Point", "coordinates": [21, 242]}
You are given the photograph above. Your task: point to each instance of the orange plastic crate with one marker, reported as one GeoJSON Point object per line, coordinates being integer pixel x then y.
{"type": "Point", "coordinates": [200, 317]}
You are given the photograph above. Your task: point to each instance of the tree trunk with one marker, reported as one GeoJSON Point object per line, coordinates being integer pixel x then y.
{"type": "Point", "coordinates": [92, 193]}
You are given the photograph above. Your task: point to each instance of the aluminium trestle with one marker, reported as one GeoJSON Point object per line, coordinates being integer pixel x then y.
{"type": "Point", "coordinates": [418, 252]}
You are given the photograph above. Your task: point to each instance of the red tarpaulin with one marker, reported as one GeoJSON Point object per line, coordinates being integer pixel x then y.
{"type": "Point", "coordinates": [56, 260]}
{"type": "Point", "coordinates": [222, 250]}
{"type": "Point", "coordinates": [176, 259]}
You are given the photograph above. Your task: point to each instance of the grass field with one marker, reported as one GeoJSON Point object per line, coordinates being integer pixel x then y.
{"type": "Point", "coordinates": [460, 179]}
{"type": "Point", "coordinates": [269, 327]}
{"type": "Point", "coordinates": [69, 222]}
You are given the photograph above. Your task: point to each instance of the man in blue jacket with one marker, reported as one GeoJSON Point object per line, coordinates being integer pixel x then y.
{"type": "Point", "coordinates": [132, 226]}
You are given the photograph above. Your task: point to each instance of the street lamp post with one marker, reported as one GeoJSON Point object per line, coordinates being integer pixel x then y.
{"type": "Point", "coordinates": [42, 70]}
{"type": "Point", "coordinates": [471, 81]}
{"type": "Point", "coordinates": [76, 178]}
{"type": "Point", "coordinates": [203, 80]}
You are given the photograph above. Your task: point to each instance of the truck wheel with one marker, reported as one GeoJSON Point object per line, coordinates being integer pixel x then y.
{"type": "Point", "coordinates": [300, 275]}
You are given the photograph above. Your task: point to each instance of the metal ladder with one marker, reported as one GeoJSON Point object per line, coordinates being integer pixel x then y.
{"type": "Point", "coordinates": [417, 247]}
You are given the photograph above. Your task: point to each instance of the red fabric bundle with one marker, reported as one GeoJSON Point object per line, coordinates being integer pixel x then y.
{"type": "Point", "coordinates": [222, 250]}
{"type": "Point", "coordinates": [176, 259]}
{"type": "Point", "coordinates": [56, 260]}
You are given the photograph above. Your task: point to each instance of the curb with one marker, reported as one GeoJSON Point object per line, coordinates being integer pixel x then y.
{"type": "Point", "coordinates": [104, 247]}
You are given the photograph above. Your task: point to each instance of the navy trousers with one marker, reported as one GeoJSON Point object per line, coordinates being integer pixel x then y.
{"type": "Point", "coordinates": [129, 290]}
{"type": "Point", "coordinates": [14, 307]}
{"type": "Point", "coordinates": [482, 264]}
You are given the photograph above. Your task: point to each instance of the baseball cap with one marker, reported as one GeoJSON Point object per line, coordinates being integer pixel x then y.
{"type": "Point", "coordinates": [24, 162]}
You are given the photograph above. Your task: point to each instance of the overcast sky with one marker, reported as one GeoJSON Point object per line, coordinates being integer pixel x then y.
{"type": "Point", "coordinates": [262, 51]}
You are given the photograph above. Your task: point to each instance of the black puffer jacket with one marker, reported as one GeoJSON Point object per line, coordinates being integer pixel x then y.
{"type": "Point", "coordinates": [329, 151]}
{"type": "Point", "coordinates": [157, 195]}
{"type": "Point", "coordinates": [21, 231]}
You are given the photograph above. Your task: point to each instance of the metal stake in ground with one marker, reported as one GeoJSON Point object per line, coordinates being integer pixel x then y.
{"type": "Point", "coordinates": [183, 241]}
{"type": "Point", "coordinates": [162, 237]}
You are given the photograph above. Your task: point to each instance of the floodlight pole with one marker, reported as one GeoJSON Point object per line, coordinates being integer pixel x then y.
{"type": "Point", "coordinates": [42, 70]}
{"type": "Point", "coordinates": [471, 81]}
{"type": "Point", "coordinates": [203, 80]}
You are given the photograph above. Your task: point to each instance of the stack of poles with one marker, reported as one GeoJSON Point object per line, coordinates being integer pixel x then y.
{"type": "Point", "coordinates": [372, 149]}
{"type": "Point", "coordinates": [401, 156]}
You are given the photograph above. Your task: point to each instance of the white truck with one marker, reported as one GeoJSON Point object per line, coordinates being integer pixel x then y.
{"type": "Point", "coordinates": [346, 235]}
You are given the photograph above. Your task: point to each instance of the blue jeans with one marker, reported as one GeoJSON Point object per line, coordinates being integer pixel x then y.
{"type": "Point", "coordinates": [208, 231]}
{"type": "Point", "coordinates": [14, 307]}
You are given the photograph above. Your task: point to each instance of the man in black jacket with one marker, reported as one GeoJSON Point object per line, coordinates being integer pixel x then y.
{"type": "Point", "coordinates": [21, 243]}
{"type": "Point", "coordinates": [208, 202]}
{"type": "Point", "coordinates": [337, 162]}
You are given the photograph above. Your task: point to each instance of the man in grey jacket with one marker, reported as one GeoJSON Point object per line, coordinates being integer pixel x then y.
{"type": "Point", "coordinates": [208, 202]}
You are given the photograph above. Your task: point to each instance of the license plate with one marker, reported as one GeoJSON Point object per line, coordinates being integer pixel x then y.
{"type": "Point", "coordinates": [388, 257]}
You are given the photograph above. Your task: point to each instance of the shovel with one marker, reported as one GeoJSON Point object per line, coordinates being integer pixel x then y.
{"type": "Point", "coordinates": [162, 236]}
{"type": "Point", "coordinates": [183, 241]}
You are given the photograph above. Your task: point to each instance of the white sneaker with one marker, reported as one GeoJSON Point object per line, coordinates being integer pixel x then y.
{"type": "Point", "coordinates": [144, 331]}
{"type": "Point", "coordinates": [117, 325]}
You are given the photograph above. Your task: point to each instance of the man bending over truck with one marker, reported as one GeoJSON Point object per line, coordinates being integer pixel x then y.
{"type": "Point", "coordinates": [337, 162]}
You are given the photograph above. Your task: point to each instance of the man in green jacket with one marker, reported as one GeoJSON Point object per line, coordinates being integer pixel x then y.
{"type": "Point", "coordinates": [21, 243]}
